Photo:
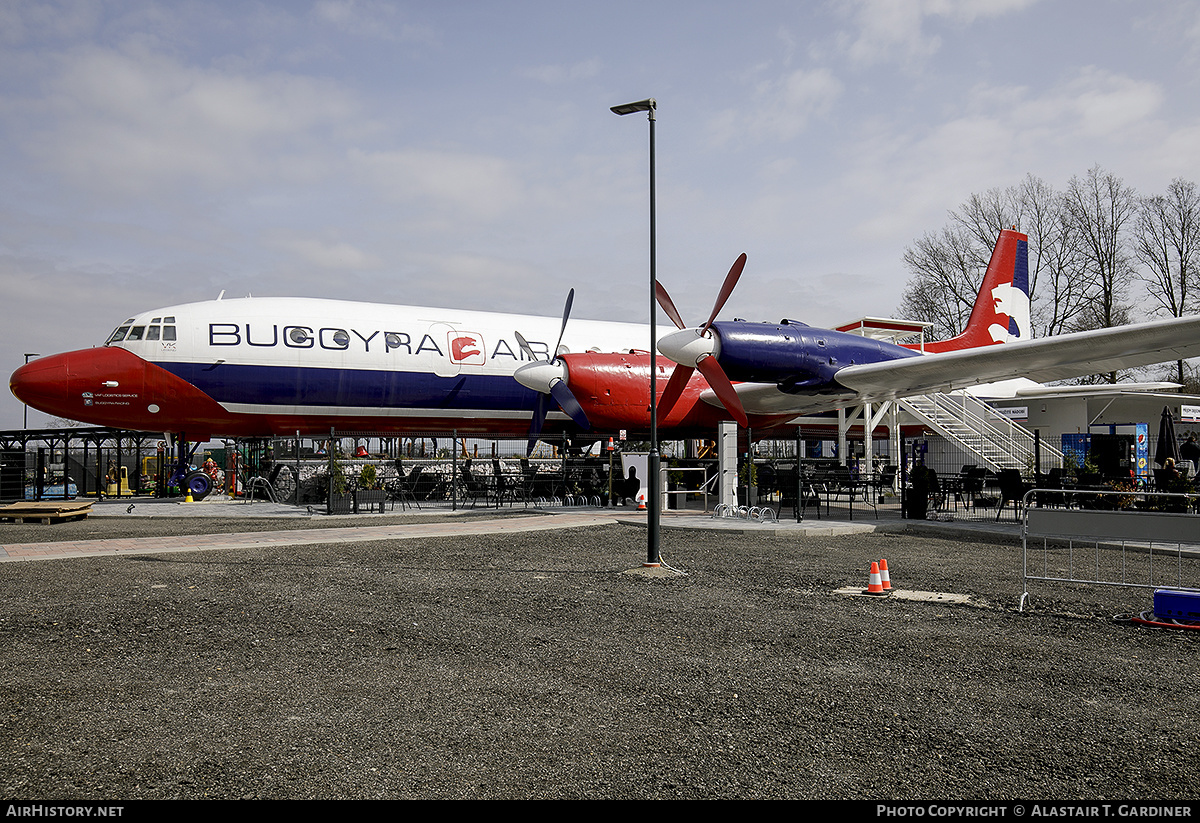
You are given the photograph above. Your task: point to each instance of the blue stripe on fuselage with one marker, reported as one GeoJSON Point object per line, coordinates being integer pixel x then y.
{"type": "Point", "coordinates": [352, 388]}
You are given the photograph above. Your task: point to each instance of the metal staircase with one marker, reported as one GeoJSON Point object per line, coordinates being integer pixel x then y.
{"type": "Point", "coordinates": [975, 428]}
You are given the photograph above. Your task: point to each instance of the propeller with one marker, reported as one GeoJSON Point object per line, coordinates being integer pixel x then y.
{"type": "Point", "coordinates": [549, 377]}
{"type": "Point", "coordinates": [696, 350]}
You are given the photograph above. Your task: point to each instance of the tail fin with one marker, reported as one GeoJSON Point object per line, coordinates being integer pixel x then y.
{"type": "Point", "coordinates": [1001, 310]}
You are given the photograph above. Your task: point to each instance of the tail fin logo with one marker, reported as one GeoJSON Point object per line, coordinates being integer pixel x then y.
{"type": "Point", "coordinates": [1000, 313]}
{"type": "Point", "coordinates": [1010, 301]}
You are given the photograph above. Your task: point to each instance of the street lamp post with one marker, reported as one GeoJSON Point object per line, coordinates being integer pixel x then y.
{"type": "Point", "coordinates": [652, 550]}
{"type": "Point", "coordinates": [25, 411]}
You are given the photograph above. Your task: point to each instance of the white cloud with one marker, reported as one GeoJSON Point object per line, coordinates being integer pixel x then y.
{"type": "Point", "coordinates": [889, 30]}
{"type": "Point", "coordinates": [457, 184]}
{"type": "Point", "coordinates": [71, 18]}
{"type": "Point", "coordinates": [780, 109]}
{"type": "Point", "coordinates": [907, 174]}
{"type": "Point", "coordinates": [554, 74]}
{"type": "Point", "coordinates": [142, 122]}
{"type": "Point", "coordinates": [371, 19]}
{"type": "Point", "coordinates": [339, 256]}
{"type": "Point", "coordinates": [896, 29]}
{"type": "Point", "coordinates": [1105, 103]}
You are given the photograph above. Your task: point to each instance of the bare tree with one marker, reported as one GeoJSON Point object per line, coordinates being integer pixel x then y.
{"type": "Point", "coordinates": [945, 271]}
{"type": "Point", "coordinates": [984, 215]}
{"type": "Point", "coordinates": [946, 268]}
{"type": "Point", "coordinates": [1081, 256]}
{"type": "Point", "coordinates": [1167, 243]}
{"type": "Point", "coordinates": [1102, 209]}
{"type": "Point", "coordinates": [1061, 295]}
{"type": "Point", "coordinates": [63, 423]}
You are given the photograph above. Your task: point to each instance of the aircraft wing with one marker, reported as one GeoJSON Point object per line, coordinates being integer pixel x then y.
{"type": "Point", "coordinates": [1043, 359]}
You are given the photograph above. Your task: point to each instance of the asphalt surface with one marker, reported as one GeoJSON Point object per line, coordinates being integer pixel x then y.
{"type": "Point", "coordinates": [463, 656]}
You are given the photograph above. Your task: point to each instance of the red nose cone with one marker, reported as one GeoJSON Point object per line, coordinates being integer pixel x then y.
{"type": "Point", "coordinates": [109, 386]}
{"type": "Point", "coordinates": [41, 383]}
{"type": "Point", "coordinates": [103, 386]}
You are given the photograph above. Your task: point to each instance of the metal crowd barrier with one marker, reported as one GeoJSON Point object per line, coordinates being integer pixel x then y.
{"type": "Point", "coordinates": [1136, 539]}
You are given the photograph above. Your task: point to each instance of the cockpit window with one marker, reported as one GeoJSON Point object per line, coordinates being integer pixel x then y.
{"type": "Point", "coordinates": [159, 328]}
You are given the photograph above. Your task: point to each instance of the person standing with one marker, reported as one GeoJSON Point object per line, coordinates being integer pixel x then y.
{"type": "Point", "coordinates": [1191, 451]}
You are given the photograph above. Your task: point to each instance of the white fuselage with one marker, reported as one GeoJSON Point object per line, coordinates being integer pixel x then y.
{"type": "Point", "coordinates": [302, 356]}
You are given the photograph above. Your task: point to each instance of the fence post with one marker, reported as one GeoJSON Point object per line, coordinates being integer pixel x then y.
{"type": "Point", "coordinates": [329, 485]}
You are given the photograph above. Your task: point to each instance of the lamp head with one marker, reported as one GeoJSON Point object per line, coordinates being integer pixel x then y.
{"type": "Point", "coordinates": [642, 105]}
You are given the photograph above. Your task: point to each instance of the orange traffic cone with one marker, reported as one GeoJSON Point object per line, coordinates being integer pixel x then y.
{"type": "Point", "coordinates": [641, 502]}
{"type": "Point", "coordinates": [884, 579]}
{"type": "Point", "coordinates": [875, 585]}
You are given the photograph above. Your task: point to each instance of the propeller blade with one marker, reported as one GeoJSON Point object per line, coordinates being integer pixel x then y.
{"type": "Point", "coordinates": [566, 400]}
{"type": "Point", "coordinates": [731, 280]}
{"type": "Point", "coordinates": [715, 375]}
{"type": "Point", "coordinates": [675, 386]}
{"type": "Point", "coordinates": [667, 304]}
{"type": "Point", "coordinates": [525, 347]}
{"type": "Point", "coordinates": [535, 424]}
{"type": "Point", "coordinates": [547, 376]}
{"type": "Point", "coordinates": [562, 331]}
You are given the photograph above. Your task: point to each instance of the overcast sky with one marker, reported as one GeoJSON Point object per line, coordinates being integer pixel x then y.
{"type": "Point", "coordinates": [463, 153]}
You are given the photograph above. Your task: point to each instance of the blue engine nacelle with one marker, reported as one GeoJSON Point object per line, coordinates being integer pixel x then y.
{"type": "Point", "coordinates": [798, 358]}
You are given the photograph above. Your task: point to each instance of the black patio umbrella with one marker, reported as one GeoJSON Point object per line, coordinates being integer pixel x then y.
{"type": "Point", "coordinates": [1167, 446]}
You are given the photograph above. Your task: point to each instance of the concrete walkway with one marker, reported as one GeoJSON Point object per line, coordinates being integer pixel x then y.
{"type": "Point", "coordinates": [359, 528]}
{"type": "Point", "coordinates": [296, 537]}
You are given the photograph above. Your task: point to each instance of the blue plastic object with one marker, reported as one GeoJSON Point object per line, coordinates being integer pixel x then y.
{"type": "Point", "coordinates": [1177, 604]}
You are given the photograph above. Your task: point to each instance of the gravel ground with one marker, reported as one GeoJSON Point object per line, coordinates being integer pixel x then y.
{"type": "Point", "coordinates": [529, 666]}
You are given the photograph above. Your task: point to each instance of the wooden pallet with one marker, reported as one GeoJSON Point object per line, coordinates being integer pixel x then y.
{"type": "Point", "coordinates": [46, 511]}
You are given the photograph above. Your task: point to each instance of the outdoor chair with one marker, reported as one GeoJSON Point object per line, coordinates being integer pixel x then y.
{"type": "Point", "coordinates": [1012, 488]}
{"type": "Point", "coordinates": [404, 488]}
{"type": "Point", "coordinates": [883, 481]}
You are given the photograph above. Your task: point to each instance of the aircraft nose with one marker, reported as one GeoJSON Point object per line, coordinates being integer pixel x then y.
{"type": "Point", "coordinates": [98, 385]}
{"type": "Point", "coordinates": [41, 383]}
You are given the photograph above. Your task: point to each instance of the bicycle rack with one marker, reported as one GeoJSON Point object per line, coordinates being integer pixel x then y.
{"type": "Point", "coordinates": [259, 483]}
{"type": "Point", "coordinates": [760, 515]}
